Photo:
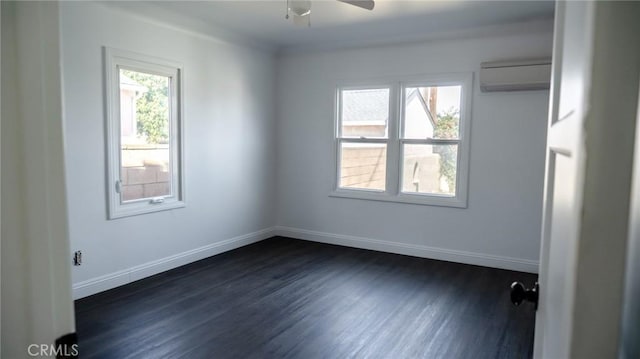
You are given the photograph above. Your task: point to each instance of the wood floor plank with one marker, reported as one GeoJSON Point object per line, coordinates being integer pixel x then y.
{"type": "Point", "coordinates": [286, 298]}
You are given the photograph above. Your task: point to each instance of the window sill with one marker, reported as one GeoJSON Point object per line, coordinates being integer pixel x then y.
{"type": "Point", "coordinates": [136, 209]}
{"type": "Point", "coordinates": [425, 200]}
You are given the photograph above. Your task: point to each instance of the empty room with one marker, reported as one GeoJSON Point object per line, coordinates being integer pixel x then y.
{"type": "Point", "coordinates": [320, 179]}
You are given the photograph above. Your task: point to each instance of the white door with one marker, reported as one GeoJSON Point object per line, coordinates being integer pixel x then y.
{"type": "Point", "coordinates": [587, 181]}
{"type": "Point", "coordinates": [564, 180]}
{"type": "Point", "coordinates": [629, 344]}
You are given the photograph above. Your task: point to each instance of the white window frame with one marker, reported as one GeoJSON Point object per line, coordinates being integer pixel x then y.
{"type": "Point", "coordinates": [114, 59]}
{"type": "Point", "coordinates": [395, 142]}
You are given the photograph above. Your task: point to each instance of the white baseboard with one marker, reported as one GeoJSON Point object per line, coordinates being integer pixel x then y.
{"type": "Point", "coordinates": [481, 259]}
{"type": "Point", "coordinates": [116, 279]}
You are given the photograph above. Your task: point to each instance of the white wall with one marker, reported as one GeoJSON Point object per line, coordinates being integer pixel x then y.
{"type": "Point", "coordinates": [260, 170]}
{"type": "Point", "coordinates": [500, 227]}
{"type": "Point", "coordinates": [230, 166]}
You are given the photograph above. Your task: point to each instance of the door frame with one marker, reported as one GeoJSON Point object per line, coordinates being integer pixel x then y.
{"type": "Point", "coordinates": [37, 304]}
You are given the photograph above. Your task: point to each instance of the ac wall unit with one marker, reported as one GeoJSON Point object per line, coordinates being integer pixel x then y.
{"type": "Point", "coordinates": [515, 75]}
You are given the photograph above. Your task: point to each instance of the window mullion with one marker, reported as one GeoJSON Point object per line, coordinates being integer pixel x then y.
{"type": "Point", "coordinates": [393, 149]}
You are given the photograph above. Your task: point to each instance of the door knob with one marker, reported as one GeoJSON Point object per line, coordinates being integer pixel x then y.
{"type": "Point", "coordinates": [520, 294]}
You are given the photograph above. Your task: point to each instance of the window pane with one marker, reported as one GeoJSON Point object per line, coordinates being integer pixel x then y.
{"type": "Point", "coordinates": [144, 135]}
{"type": "Point", "coordinates": [365, 113]}
{"type": "Point", "coordinates": [432, 112]}
{"type": "Point", "coordinates": [430, 169]}
{"type": "Point", "coordinates": [363, 165]}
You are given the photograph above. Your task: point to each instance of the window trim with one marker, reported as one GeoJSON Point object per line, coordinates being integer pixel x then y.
{"type": "Point", "coordinates": [393, 192]}
{"type": "Point", "coordinates": [114, 59]}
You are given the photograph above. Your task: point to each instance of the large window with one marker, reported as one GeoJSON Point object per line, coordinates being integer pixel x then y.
{"type": "Point", "coordinates": [144, 135]}
{"type": "Point", "coordinates": [404, 140]}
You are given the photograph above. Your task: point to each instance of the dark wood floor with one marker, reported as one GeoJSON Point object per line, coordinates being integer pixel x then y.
{"type": "Point", "coordinates": [297, 299]}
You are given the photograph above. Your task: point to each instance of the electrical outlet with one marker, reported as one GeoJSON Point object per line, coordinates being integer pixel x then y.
{"type": "Point", "coordinates": [77, 258]}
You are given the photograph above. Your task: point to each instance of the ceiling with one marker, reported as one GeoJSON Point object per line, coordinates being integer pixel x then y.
{"type": "Point", "coordinates": [339, 23]}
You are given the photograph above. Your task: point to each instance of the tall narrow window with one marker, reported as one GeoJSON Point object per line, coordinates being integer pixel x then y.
{"type": "Point", "coordinates": [363, 134]}
{"type": "Point", "coordinates": [430, 139]}
{"type": "Point", "coordinates": [145, 134]}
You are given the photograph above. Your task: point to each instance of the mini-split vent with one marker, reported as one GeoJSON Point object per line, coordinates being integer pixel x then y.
{"type": "Point", "coordinates": [515, 75]}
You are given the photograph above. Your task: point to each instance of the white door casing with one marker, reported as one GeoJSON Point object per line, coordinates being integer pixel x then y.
{"type": "Point", "coordinates": [37, 306]}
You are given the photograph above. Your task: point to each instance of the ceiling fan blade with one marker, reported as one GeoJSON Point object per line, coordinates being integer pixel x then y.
{"type": "Point", "coordinates": [365, 4]}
